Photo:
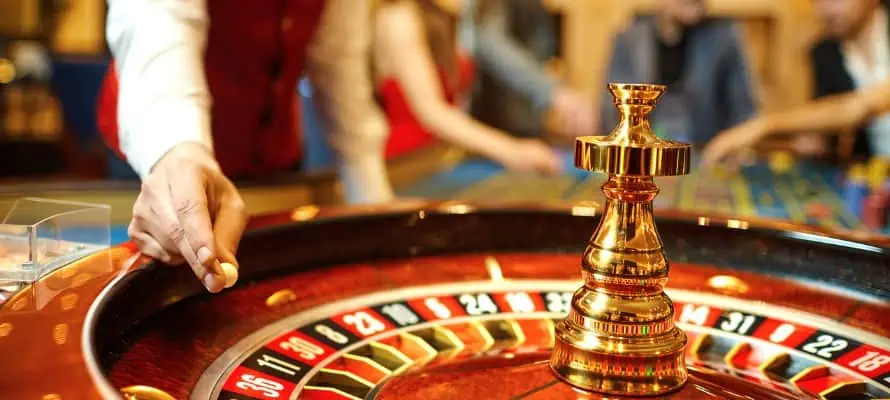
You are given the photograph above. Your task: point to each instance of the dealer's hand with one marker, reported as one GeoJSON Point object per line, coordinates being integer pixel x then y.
{"type": "Point", "coordinates": [188, 211]}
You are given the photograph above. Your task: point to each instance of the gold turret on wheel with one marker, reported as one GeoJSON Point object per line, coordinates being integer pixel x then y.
{"type": "Point", "coordinates": [619, 336]}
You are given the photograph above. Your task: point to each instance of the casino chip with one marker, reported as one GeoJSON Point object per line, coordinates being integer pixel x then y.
{"type": "Point", "coordinates": [781, 161]}
{"type": "Point", "coordinates": [877, 172]}
{"type": "Point", "coordinates": [721, 172]}
{"type": "Point", "coordinates": [231, 274]}
{"type": "Point", "coordinates": [874, 208]}
{"type": "Point", "coordinates": [856, 189]}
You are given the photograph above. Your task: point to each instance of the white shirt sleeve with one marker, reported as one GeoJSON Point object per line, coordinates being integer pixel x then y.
{"type": "Point", "coordinates": [158, 48]}
{"type": "Point", "coordinates": [337, 64]}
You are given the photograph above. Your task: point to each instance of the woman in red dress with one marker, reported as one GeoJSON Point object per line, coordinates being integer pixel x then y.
{"type": "Point", "coordinates": [421, 76]}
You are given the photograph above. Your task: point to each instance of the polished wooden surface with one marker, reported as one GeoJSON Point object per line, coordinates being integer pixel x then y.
{"type": "Point", "coordinates": [40, 329]}
{"type": "Point", "coordinates": [41, 326]}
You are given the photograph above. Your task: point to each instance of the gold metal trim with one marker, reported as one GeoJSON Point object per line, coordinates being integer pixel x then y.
{"type": "Point", "coordinates": [551, 328]}
{"type": "Point", "coordinates": [700, 345]}
{"type": "Point", "coordinates": [506, 333]}
{"type": "Point", "coordinates": [489, 340]}
{"type": "Point", "coordinates": [387, 356]}
{"type": "Point", "coordinates": [332, 390]}
{"type": "Point", "coordinates": [446, 343]}
{"type": "Point", "coordinates": [344, 381]}
{"type": "Point", "coordinates": [734, 351]}
{"type": "Point", "coordinates": [141, 392]}
{"type": "Point", "coordinates": [774, 366]}
{"type": "Point", "coordinates": [431, 352]}
{"type": "Point", "coordinates": [370, 362]}
{"type": "Point", "coordinates": [281, 297]}
{"type": "Point", "coordinates": [816, 371]}
{"type": "Point", "coordinates": [493, 267]}
{"type": "Point", "coordinates": [844, 389]}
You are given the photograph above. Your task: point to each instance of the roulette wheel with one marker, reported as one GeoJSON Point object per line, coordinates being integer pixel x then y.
{"type": "Point", "coordinates": [453, 300]}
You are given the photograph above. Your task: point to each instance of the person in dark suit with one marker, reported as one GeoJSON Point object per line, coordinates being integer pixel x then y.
{"type": "Point", "coordinates": [699, 59]}
{"type": "Point", "coordinates": [851, 69]}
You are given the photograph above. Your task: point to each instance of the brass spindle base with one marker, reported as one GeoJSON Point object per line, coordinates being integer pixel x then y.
{"type": "Point", "coordinates": [619, 337]}
{"type": "Point", "coordinates": [601, 371]}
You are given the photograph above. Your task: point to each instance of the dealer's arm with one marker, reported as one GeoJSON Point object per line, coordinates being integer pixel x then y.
{"type": "Point", "coordinates": [187, 209]}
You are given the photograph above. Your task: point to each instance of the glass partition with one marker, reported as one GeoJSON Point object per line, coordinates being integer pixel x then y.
{"type": "Point", "coordinates": [37, 236]}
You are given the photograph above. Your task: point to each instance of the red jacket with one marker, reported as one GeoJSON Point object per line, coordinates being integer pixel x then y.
{"type": "Point", "coordinates": [255, 55]}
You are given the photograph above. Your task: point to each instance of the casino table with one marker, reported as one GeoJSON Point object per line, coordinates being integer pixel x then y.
{"type": "Point", "coordinates": [754, 190]}
{"type": "Point", "coordinates": [456, 299]}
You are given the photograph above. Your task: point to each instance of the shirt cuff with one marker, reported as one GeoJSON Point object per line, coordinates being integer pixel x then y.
{"type": "Point", "coordinates": [154, 133]}
{"type": "Point", "coordinates": [366, 180]}
{"type": "Point", "coordinates": [362, 137]}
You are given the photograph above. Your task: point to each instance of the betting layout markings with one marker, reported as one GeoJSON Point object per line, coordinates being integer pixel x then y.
{"type": "Point", "coordinates": [713, 192]}
{"type": "Point", "coordinates": [830, 196]}
{"type": "Point", "coordinates": [783, 187]}
{"type": "Point", "coordinates": [517, 187]}
{"type": "Point", "coordinates": [809, 191]}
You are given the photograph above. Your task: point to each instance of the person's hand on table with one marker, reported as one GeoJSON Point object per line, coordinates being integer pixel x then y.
{"type": "Point", "coordinates": [809, 145]}
{"type": "Point", "coordinates": [728, 144]}
{"type": "Point", "coordinates": [531, 155]}
{"type": "Point", "coordinates": [188, 211]}
{"type": "Point", "coordinates": [574, 112]}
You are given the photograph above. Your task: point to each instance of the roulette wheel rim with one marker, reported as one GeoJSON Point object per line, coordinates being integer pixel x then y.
{"type": "Point", "coordinates": [505, 215]}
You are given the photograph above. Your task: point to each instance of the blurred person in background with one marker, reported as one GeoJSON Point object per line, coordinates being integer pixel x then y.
{"type": "Point", "coordinates": [851, 66]}
{"type": "Point", "coordinates": [202, 91]}
{"type": "Point", "coordinates": [700, 60]}
{"type": "Point", "coordinates": [512, 40]}
{"type": "Point", "coordinates": [423, 76]}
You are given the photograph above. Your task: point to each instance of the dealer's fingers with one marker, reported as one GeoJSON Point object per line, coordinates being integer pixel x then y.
{"type": "Point", "coordinates": [166, 227]}
{"type": "Point", "coordinates": [230, 222]}
{"type": "Point", "coordinates": [152, 248]}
